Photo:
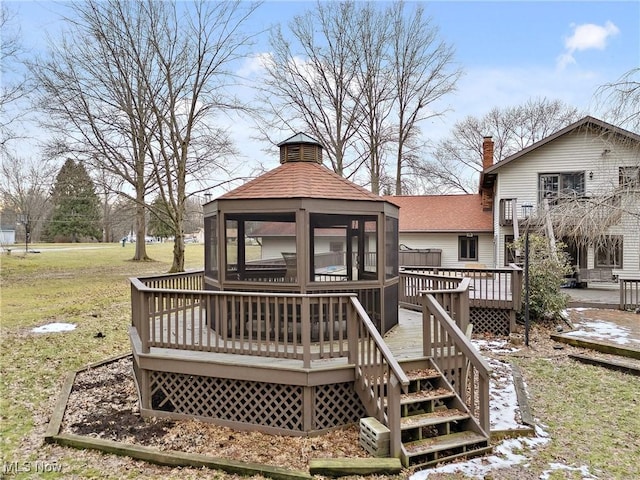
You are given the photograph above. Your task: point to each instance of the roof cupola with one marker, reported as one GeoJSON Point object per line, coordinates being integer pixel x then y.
{"type": "Point", "coordinates": [300, 148]}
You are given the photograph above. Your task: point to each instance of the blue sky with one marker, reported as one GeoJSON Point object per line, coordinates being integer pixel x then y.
{"type": "Point", "coordinates": [509, 51]}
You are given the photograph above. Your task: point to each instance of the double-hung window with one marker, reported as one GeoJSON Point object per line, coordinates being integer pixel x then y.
{"type": "Point", "coordinates": [468, 248]}
{"type": "Point", "coordinates": [556, 186]}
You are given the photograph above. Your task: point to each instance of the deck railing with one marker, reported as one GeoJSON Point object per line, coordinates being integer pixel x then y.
{"type": "Point", "coordinates": [298, 326]}
{"type": "Point", "coordinates": [379, 378]}
{"type": "Point", "coordinates": [629, 293]}
{"type": "Point", "coordinates": [456, 357]}
{"type": "Point", "coordinates": [489, 288]}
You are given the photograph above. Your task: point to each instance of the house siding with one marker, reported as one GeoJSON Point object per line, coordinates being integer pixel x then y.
{"type": "Point", "coordinates": [574, 152]}
{"type": "Point", "coordinates": [448, 243]}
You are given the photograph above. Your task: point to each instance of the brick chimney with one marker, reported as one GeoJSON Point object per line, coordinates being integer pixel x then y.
{"type": "Point", "coordinates": [487, 152]}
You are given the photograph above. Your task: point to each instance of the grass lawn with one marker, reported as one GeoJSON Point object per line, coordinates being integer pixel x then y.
{"type": "Point", "coordinates": [592, 415]}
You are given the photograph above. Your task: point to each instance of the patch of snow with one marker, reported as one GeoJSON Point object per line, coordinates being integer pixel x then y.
{"type": "Point", "coordinates": [602, 329]}
{"type": "Point", "coordinates": [578, 309]}
{"type": "Point", "coordinates": [54, 328]}
{"type": "Point", "coordinates": [503, 398]}
{"type": "Point", "coordinates": [505, 456]}
{"type": "Point", "coordinates": [496, 346]}
{"type": "Point", "coordinates": [584, 471]}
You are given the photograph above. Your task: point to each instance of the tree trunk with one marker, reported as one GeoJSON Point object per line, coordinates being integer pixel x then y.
{"type": "Point", "coordinates": [178, 254]}
{"type": "Point", "coordinates": [141, 245]}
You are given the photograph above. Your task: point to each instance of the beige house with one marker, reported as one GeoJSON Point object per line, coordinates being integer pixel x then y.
{"type": "Point", "coordinates": [589, 172]}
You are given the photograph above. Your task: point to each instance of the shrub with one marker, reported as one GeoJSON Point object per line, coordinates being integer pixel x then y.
{"type": "Point", "coordinates": [547, 273]}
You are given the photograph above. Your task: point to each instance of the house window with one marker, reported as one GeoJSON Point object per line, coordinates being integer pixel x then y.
{"type": "Point", "coordinates": [468, 248]}
{"type": "Point", "coordinates": [509, 250]}
{"type": "Point", "coordinates": [610, 253]}
{"type": "Point", "coordinates": [554, 186]}
{"type": "Point", "coordinates": [629, 176]}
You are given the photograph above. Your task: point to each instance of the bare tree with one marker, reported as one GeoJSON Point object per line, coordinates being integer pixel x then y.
{"type": "Point", "coordinates": [309, 81]}
{"type": "Point", "coordinates": [621, 100]}
{"type": "Point", "coordinates": [13, 86]}
{"type": "Point", "coordinates": [136, 88]}
{"type": "Point", "coordinates": [424, 72]}
{"type": "Point", "coordinates": [598, 218]}
{"type": "Point", "coordinates": [373, 89]}
{"type": "Point", "coordinates": [95, 100]}
{"type": "Point", "coordinates": [25, 187]}
{"type": "Point", "coordinates": [457, 160]}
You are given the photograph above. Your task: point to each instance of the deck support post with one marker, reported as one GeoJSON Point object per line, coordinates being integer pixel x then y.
{"type": "Point", "coordinates": [393, 416]}
{"type": "Point", "coordinates": [307, 408]}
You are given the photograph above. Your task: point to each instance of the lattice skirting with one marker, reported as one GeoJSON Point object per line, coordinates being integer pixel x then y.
{"type": "Point", "coordinates": [497, 322]}
{"type": "Point", "coordinates": [262, 404]}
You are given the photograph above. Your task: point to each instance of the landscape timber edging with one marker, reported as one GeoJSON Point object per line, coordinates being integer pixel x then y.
{"type": "Point", "coordinates": [598, 346]}
{"type": "Point", "coordinates": [610, 364]}
{"type": "Point", "coordinates": [159, 457]}
{"type": "Point", "coordinates": [152, 455]}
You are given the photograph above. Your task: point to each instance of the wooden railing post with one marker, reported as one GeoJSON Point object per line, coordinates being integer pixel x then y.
{"type": "Point", "coordinates": [463, 309]}
{"type": "Point", "coordinates": [427, 329]}
{"type": "Point", "coordinates": [144, 329]}
{"type": "Point", "coordinates": [352, 333]}
{"type": "Point", "coordinates": [393, 415]}
{"type": "Point", "coordinates": [305, 314]}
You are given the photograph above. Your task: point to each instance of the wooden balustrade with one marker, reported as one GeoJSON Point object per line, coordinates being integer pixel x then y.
{"type": "Point", "coordinates": [177, 281]}
{"type": "Point", "coordinates": [305, 327]}
{"type": "Point", "coordinates": [457, 358]}
{"type": "Point", "coordinates": [489, 288]}
{"type": "Point", "coordinates": [379, 378]}
{"type": "Point", "coordinates": [629, 293]}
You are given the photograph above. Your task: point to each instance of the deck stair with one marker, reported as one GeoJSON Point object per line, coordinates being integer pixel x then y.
{"type": "Point", "coordinates": [436, 426]}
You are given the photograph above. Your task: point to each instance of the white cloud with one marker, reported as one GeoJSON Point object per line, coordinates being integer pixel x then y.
{"type": "Point", "coordinates": [254, 64]}
{"type": "Point", "coordinates": [587, 36]}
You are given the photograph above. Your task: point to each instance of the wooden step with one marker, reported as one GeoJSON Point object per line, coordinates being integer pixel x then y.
{"type": "Point", "coordinates": [422, 374]}
{"type": "Point", "coordinates": [430, 419]}
{"type": "Point", "coordinates": [476, 452]}
{"type": "Point", "coordinates": [444, 442]}
{"type": "Point", "coordinates": [423, 396]}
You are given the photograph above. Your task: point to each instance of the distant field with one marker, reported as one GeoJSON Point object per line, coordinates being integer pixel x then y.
{"type": "Point", "coordinates": [83, 284]}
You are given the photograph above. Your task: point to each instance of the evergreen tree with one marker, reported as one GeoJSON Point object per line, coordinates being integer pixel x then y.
{"type": "Point", "coordinates": [76, 206]}
{"type": "Point", "coordinates": [160, 223]}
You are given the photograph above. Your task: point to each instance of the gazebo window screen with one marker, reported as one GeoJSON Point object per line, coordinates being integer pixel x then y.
{"type": "Point", "coordinates": [211, 247]}
{"type": "Point", "coordinates": [357, 257]}
{"type": "Point", "coordinates": [257, 245]}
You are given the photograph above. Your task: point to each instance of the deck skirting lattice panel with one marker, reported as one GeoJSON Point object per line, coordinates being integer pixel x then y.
{"type": "Point", "coordinates": [490, 320]}
{"type": "Point", "coordinates": [336, 404]}
{"type": "Point", "coordinates": [263, 404]}
{"type": "Point", "coordinates": [258, 403]}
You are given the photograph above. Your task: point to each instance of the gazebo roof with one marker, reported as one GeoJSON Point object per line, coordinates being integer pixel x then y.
{"type": "Point", "coordinates": [301, 180]}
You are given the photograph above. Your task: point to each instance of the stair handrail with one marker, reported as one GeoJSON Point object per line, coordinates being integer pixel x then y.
{"type": "Point", "coordinates": [379, 378]}
{"type": "Point", "coordinates": [452, 351]}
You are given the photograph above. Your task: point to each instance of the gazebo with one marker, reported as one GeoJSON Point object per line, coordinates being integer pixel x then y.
{"type": "Point", "coordinates": [331, 235]}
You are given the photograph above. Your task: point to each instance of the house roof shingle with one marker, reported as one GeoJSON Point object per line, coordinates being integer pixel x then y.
{"type": "Point", "coordinates": [301, 180]}
{"type": "Point", "coordinates": [442, 213]}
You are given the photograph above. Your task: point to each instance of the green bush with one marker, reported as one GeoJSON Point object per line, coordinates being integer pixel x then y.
{"type": "Point", "coordinates": [547, 273]}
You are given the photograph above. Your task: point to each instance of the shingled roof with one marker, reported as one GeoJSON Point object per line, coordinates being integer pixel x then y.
{"type": "Point", "coordinates": [442, 213]}
{"type": "Point", "coordinates": [301, 180]}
